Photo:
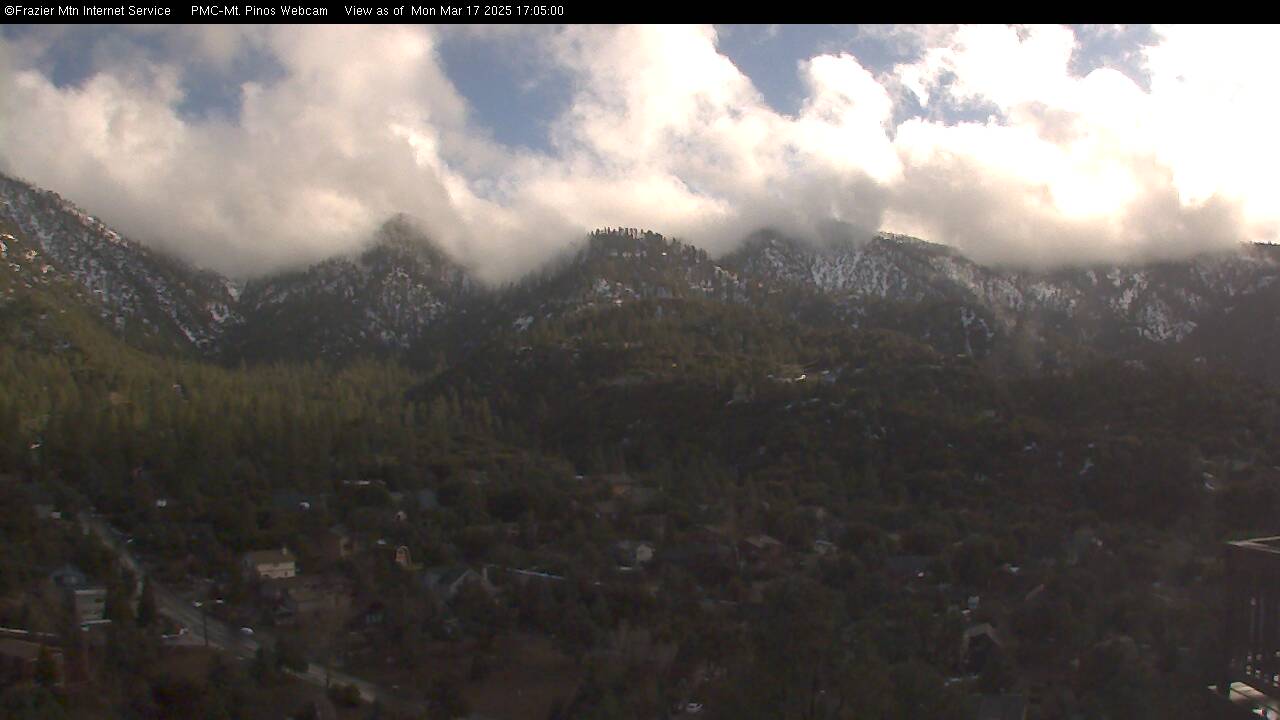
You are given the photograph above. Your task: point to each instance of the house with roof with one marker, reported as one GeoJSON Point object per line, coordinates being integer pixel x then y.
{"type": "Point", "coordinates": [761, 548]}
{"type": "Point", "coordinates": [69, 576]}
{"type": "Point", "coordinates": [89, 604]}
{"type": "Point", "coordinates": [269, 564]}
{"type": "Point", "coordinates": [976, 645]}
{"type": "Point", "coordinates": [702, 550]}
{"type": "Point", "coordinates": [402, 558]}
{"type": "Point", "coordinates": [305, 597]}
{"type": "Point", "coordinates": [88, 600]}
{"type": "Point", "coordinates": [338, 543]}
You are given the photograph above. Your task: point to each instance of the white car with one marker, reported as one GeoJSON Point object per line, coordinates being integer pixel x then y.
{"type": "Point", "coordinates": [693, 708]}
{"type": "Point", "coordinates": [246, 631]}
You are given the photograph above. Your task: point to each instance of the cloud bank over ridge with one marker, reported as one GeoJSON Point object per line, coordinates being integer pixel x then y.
{"type": "Point", "coordinates": [246, 149]}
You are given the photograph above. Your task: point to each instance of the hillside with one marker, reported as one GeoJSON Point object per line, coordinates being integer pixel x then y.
{"type": "Point", "coordinates": [671, 478]}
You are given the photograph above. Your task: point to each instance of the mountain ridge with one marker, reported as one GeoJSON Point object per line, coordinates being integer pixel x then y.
{"type": "Point", "coordinates": [401, 293]}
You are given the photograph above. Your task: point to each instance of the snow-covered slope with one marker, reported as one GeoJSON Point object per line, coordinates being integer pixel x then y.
{"type": "Point", "coordinates": [402, 294]}
{"type": "Point", "coordinates": [139, 290]}
{"type": "Point", "coordinates": [380, 300]}
{"type": "Point", "coordinates": [1159, 303]}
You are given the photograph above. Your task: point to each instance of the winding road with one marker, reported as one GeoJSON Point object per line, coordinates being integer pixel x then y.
{"type": "Point", "coordinates": [222, 636]}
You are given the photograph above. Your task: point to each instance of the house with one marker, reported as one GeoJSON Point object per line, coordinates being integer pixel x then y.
{"type": "Point", "coordinates": [761, 547]}
{"type": "Point", "coordinates": [69, 576]}
{"type": "Point", "coordinates": [338, 543]}
{"type": "Point", "coordinates": [631, 554]}
{"type": "Point", "coordinates": [270, 564]}
{"type": "Point", "coordinates": [402, 557]}
{"type": "Point", "coordinates": [619, 483]}
{"type": "Point", "coordinates": [629, 490]}
{"type": "Point", "coordinates": [977, 644]}
{"type": "Point", "coordinates": [20, 661]}
{"type": "Point", "coordinates": [445, 582]}
{"type": "Point", "coordinates": [1002, 707]}
{"type": "Point", "coordinates": [307, 597]}
{"type": "Point", "coordinates": [88, 601]}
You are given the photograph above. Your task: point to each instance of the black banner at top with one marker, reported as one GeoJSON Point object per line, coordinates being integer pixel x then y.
{"type": "Point", "coordinates": [358, 11]}
{"type": "Point", "coordinates": [350, 11]}
{"type": "Point", "coordinates": [410, 11]}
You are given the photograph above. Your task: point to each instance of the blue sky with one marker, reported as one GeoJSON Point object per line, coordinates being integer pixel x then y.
{"type": "Point", "coordinates": [246, 147]}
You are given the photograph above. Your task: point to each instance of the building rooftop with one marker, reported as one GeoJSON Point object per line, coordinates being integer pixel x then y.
{"type": "Point", "coordinates": [269, 557]}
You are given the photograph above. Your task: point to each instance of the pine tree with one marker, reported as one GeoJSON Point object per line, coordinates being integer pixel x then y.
{"type": "Point", "coordinates": [147, 604]}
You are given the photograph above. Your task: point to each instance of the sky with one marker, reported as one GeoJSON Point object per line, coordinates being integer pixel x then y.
{"type": "Point", "coordinates": [247, 149]}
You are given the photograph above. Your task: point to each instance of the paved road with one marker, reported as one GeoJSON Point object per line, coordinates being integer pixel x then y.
{"type": "Point", "coordinates": [221, 635]}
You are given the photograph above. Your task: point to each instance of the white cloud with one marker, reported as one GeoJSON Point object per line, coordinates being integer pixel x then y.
{"type": "Point", "coordinates": [662, 131]}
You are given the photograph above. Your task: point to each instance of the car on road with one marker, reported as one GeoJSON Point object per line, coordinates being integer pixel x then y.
{"type": "Point", "coordinates": [196, 603]}
{"type": "Point", "coordinates": [246, 631]}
